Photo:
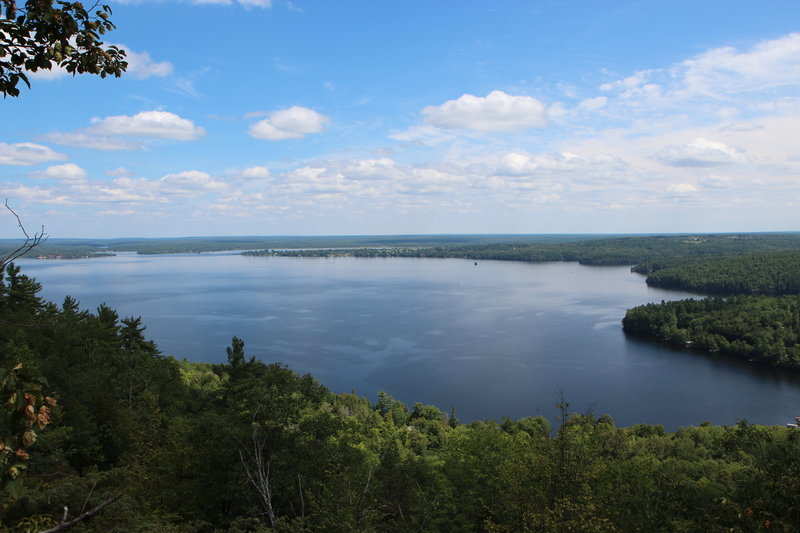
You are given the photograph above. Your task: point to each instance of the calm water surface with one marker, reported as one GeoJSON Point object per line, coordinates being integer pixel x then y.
{"type": "Point", "coordinates": [497, 339]}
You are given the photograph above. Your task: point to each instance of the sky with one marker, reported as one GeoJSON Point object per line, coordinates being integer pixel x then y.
{"type": "Point", "coordinates": [315, 117]}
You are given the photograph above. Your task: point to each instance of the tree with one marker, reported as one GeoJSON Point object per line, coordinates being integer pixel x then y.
{"type": "Point", "coordinates": [45, 34]}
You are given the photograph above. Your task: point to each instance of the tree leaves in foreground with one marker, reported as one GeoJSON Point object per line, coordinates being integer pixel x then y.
{"type": "Point", "coordinates": [47, 34]}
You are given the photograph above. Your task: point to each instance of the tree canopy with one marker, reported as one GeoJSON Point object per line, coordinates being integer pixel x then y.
{"type": "Point", "coordinates": [44, 34]}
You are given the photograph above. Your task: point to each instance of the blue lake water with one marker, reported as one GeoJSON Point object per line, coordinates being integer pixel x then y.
{"type": "Point", "coordinates": [493, 339]}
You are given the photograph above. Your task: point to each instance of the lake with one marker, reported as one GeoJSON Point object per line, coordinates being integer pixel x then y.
{"type": "Point", "coordinates": [494, 339]}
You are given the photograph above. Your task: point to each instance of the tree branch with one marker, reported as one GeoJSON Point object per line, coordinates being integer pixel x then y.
{"type": "Point", "coordinates": [88, 514]}
{"type": "Point", "coordinates": [29, 244]}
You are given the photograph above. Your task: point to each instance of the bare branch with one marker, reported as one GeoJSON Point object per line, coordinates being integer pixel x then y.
{"type": "Point", "coordinates": [29, 244]}
{"type": "Point", "coordinates": [360, 507]}
{"type": "Point", "coordinates": [257, 470]}
{"type": "Point", "coordinates": [88, 514]}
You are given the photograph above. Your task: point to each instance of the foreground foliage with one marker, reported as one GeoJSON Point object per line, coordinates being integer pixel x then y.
{"type": "Point", "coordinates": [43, 35]}
{"type": "Point", "coordinates": [247, 446]}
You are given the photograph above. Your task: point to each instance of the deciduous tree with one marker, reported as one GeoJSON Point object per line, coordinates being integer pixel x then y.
{"type": "Point", "coordinates": [47, 34]}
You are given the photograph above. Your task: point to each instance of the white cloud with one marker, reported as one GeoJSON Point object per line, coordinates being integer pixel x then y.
{"type": "Point", "coordinates": [293, 123]}
{"type": "Point", "coordinates": [37, 194]}
{"type": "Point", "coordinates": [591, 104]}
{"type": "Point", "coordinates": [497, 111]}
{"type": "Point", "coordinates": [68, 172]}
{"type": "Point", "coordinates": [120, 172]}
{"type": "Point", "coordinates": [720, 73]}
{"type": "Point", "coordinates": [26, 154]}
{"type": "Point", "coordinates": [117, 212]}
{"type": "Point", "coordinates": [522, 164]}
{"type": "Point", "coordinates": [49, 74]}
{"type": "Point", "coordinates": [681, 188]}
{"type": "Point", "coordinates": [768, 64]}
{"type": "Point", "coordinates": [256, 3]}
{"type": "Point", "coordinates": [82, 139]}
{"type": "Point", "coordinates": [157, 124]}
{"type": "Point", "coordinates": [700, 153]}
{"type": "Point", "coordinates": [191, 181]}
{"type": "Point", "coordinates": [126, 189]}
{"type": "Point", "coordinates": [371, 169]}
{"type": "Point", "coordinates": [713, 181]}
{"type": "Point", "coordinates": [742, 126]}
{"type": "Point", "coordinates": [255, 173]}
{"type": "Point", "coordinates": [108, 133]}
{"type": "Point", "coordinates": [141, 66]}
{"type": "Point", "coordinates": [427, 180]}
{"type": "Point", "coordinates": [423, 135]}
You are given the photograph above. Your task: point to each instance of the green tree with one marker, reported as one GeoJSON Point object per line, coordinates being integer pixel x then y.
{"type": "Point", "coordinates": [43, 34]}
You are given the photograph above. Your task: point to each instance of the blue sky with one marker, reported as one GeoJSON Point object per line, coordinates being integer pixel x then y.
{"type": "Point", "coordinates": [253, 117]}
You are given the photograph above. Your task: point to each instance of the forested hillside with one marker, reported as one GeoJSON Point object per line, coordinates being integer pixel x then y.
{"type": "Point", "coordinates": [771, 273]}
{"type": "Point", "coordinates": [762, 328]}
{"type": "Point", "coordinates": [757, 327]}
{"type": "Point", "coordinates": [92, 412]}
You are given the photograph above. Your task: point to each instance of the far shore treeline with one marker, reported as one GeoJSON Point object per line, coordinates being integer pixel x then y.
{"type": "Point", "coordinates": [94, 417]}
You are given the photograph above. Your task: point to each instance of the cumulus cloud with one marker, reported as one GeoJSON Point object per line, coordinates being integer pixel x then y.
{"type": "Point", "coordinates": [26, 154]}
{"type": "Point", "coordinates": [156, 124]}
{"type": "Point", "coordinates": [36, 194]}
{"type": "Point", "coordinates": [700, 153]}
{"type": "Point", "coordinates": [191, 181]}
{"type": "Point", "coordinates": [319, 181]}
{"type": "Point", "coordinates": [628, 86]}
{"type": "Point", "coordinates": [591, 104]}
{"type": "Point", "coordinates": [427, 181]}
{"type": "Point", "coordinates": [68, 172]}
{"type": "Point", "coordinates": [681, 188]}
{"type": "Point", "coordinates": [141, 66]}
{"type": "Point", "coordinates": [109, 133]}
{"type": "Point", "coordinates": [255, 173]}
{"type": "Point", "coordinates": [768, 64]}
{"type": "Point", "coordinates": [522, 164]}
{"type": "Point", "coordinates": [497, 111]}
{"type": "Point", "coordinates": [293, 123]}
{"type": "Point", "coordinates": [371, 169]}
{"type": "Point", "coordinates": [83, 139]}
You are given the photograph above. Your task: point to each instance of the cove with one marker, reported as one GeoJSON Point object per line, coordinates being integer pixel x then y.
{"type": "Point", "coordinates": [494, 339]}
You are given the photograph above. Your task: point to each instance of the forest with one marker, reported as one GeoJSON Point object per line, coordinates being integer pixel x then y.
{"type": "Point", "coordinates": [97, 420]}
{"type": "Point", "coordinates": [760, 328]}
{"type": "Point", "coordinates": [768, 273]}
{"type": "Point", "coordinates": [80, 248]}
{"type": "Point", "coordinates": [647, 253]}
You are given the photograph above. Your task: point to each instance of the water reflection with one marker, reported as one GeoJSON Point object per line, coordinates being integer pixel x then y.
{"type": "Point", "coordinates": [496, 339]}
